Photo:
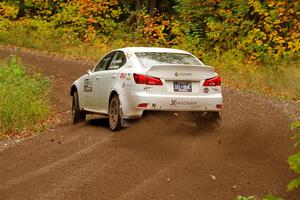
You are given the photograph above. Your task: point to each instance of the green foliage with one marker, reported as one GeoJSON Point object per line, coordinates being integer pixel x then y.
{"type": "Point", "coordinates": [294, 183]}
{"type": "Point", "coordinates": [295, 127]}
{"type": "Point", "coordinates": [23, 98]}
{"type": "Point", "coordinates": [8, 11]}
{"type": "Point", "coordinates": [161, 30]}
{"type": "Point", "coordinates": [294, 160]}
{"type": "Point", "coordinates": [89, 18]}
{"type": "Point", "coordinates": [268, 197]}
{"type": "Point", "coordinates": [271, 197]}
{"type": "Point", "coordinates": [262, 30]}
{"type": "Point", "coordinates": [86, 18]}
{"type": "Point", "coordinates": [246, 198]}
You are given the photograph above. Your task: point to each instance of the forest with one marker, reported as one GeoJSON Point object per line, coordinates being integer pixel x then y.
{"type": "Point", "coordinates": [254, 44]}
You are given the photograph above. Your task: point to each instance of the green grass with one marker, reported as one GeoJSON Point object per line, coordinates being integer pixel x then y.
{"type": "Point", "coordinates": [44, 36]}
{"type": "Point", "coordinates": [279, 79]}
{"type": "Point", "coordinates": [23, 98]}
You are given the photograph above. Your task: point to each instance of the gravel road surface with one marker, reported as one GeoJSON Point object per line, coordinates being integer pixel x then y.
{"type": "Point", "coordinates": [161, 156]}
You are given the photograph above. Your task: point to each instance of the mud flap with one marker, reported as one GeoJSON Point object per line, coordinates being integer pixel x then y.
{"type": "Point", "coordinates": [124, 122]}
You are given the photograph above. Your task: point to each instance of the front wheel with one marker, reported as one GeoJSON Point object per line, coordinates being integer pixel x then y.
{"type": "Point", "coordinates": [77, 114]}
{"type": "Point", "coordinates": [114, 115]}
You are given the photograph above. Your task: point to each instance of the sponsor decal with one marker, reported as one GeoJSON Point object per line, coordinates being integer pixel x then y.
{"type": "Point", "coordinates": [216, 89]}
{"type": "Point", "coordinates": [126, 76]}
{"type": "Point", "coordinates": [87, 86]}
{"type": "Point", "coordinates": [174, 102]}
{"type": "Point", "coordinates": [183, 74]}
{"type": "Point", "coordinates": [122, 75]}
{"type": "Point", "coordinates": [196, 106]}
{"type": "Point", "coordinates": [128, 55]}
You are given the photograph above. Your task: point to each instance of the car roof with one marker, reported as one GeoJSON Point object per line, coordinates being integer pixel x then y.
{"type": "Point", "coordinates": [153, 49]}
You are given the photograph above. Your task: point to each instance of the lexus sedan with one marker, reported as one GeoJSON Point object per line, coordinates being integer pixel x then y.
{"type": "Point", "coordinates": [128, 81]}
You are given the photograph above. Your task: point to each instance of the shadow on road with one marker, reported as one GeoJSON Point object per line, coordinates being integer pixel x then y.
{"type": "Point", "coordinates": [98, 122]}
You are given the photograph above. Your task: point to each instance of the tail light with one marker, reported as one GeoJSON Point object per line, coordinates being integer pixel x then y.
{"type": "Point", "coordinates": [219, 106]}
{"type": "Point", "coordinates": [149, 80]}
{"type": "Point", "coordinates": [215, 81]}
{"type": "Point", "coordinates": [142, 105]}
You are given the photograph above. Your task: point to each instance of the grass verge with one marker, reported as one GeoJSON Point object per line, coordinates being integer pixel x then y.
{"type": "Point", "coordinates": [279, 79]}
{"type": "Point", "coordinates": [23, 99]}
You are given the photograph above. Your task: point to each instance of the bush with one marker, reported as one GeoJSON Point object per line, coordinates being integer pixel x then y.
{"type": "Point", "coordinates": [262, 30]}
{"type": "Point", "coordinates": [294, 160]}
{"type": "Point", "coordinates": [23, 98]}
{"type": "Point", "coordinates": [268, 197]}
{"type": "Point", "coordinates": [161, 30]}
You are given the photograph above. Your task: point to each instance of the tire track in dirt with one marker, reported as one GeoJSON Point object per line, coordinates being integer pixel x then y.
{"type": "Point", "coordinates": [161, 177]}
{"type": "Point", "coordinates": [53, 166]}
{"type": "Point", "coordinates": [77, 179]}
{"type": "Point", "coordinates": [71, 144]}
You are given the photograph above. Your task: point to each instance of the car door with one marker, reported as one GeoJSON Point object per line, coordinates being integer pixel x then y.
{"type": "Point", "coordinates": [87, 90]}
{"type": "Point", "coordinates": [109, 77]}
{"type": "Point", "coordinates": [97, 77]}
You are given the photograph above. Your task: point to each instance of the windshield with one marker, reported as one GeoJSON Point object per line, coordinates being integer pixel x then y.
{"type": "Point", "coordinates": [156, 58]}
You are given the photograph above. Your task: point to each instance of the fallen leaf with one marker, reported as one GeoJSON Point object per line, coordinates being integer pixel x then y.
{"type": "Point", "coordinates": [212, 177]}
{"type": "Point", "coordinates": [234, 187]}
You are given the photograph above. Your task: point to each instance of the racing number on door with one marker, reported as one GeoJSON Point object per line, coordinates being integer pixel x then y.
{"type": "Point", "coordinates": [88, 86]}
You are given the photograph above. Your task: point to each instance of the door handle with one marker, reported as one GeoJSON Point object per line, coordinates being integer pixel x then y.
{"type": "Point", "coordinates": [114, 76]}
{"type": "Point", "coordinates": [98, 77]}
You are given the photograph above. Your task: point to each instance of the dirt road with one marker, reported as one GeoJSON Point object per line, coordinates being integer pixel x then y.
{"type": "Point", "coordinates": [159, 157]}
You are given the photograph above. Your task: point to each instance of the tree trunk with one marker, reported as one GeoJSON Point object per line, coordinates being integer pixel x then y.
{"type": "Point", "coordinates": [152, 4]}
{"type": "Point", "coordinates": [138, 5]}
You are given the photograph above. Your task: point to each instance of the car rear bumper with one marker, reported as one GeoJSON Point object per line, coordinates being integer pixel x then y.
{"type": "Point", "coordinates": [135, 103]}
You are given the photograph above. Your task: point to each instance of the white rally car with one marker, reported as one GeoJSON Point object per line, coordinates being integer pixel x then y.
{"type": "Point", "coordinates": [128, 81]}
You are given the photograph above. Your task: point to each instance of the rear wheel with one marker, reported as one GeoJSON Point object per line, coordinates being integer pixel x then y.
{"type": "Point", "coordinates": [77, 114]}
{"type": "Point", "coordinates": [114, 115]}
{"type": "Point", "coordinates": [208, 120]}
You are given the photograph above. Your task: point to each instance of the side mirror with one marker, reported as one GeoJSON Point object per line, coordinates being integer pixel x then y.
{"type": "Point", "coordinates": [89, 72]}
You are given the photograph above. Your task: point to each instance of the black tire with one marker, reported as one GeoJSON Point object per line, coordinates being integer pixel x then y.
{"type": "Point", "coordinates": [208, 120]}
{"type": "Point", "coordinates": [77, 114]}
{"type": "Point", "coordinates": [114, 115]}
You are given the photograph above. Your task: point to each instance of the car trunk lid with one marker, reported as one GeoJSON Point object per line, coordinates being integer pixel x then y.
{"type": "Point", "coordinates": [180, 79]}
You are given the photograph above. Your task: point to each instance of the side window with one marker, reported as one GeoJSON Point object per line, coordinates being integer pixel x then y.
{"type": "Point", "coordinates": [104, 63]}
{"type": "Point", "coordinates": [118, 61]}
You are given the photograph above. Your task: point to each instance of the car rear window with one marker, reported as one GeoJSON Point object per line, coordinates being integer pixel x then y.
{"type": "Point", "coordinates": [155, 58]}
